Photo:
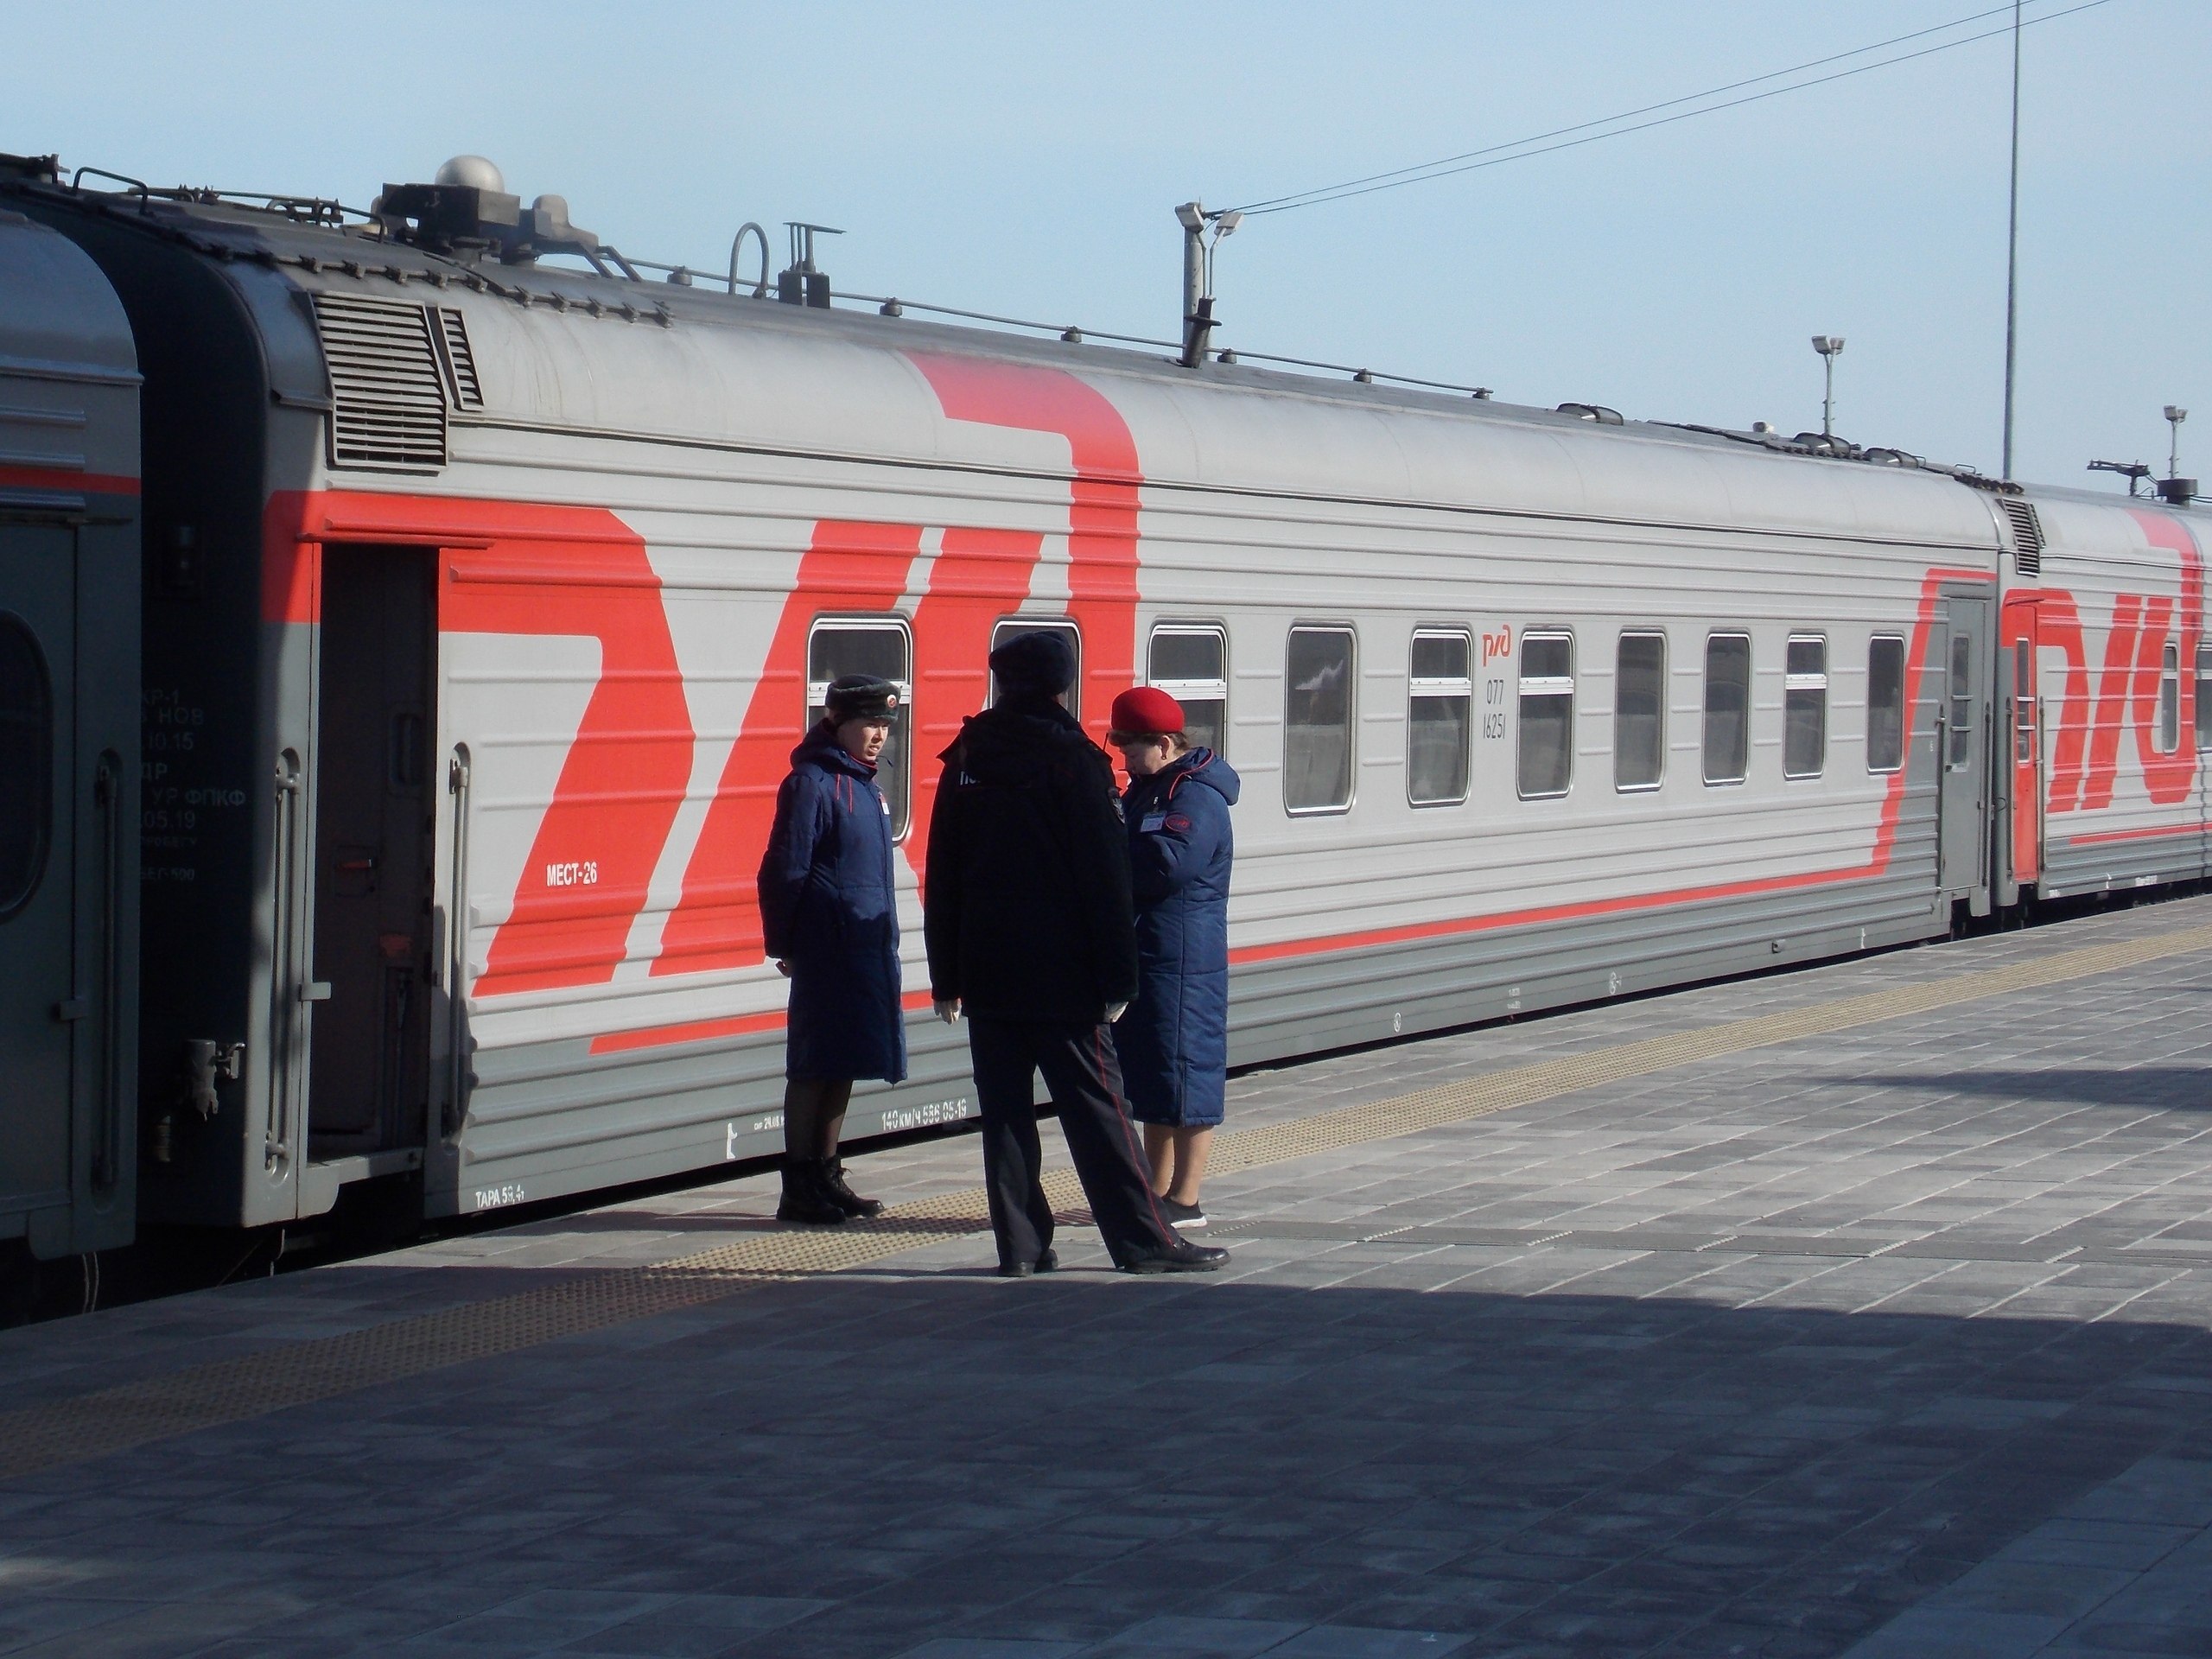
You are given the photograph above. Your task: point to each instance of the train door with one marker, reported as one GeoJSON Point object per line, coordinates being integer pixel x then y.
{"type": "Point", "coordinates": [2201, 690]}
{"type": "Point", "coordinates": [68, 921]}
{"type": "Point", "coordinates": [38, 789]}
{"type": "Point", "coordinates": [374, 830]}
{"type": "Point", "coordinates": [1963, 763]}
{"type": "Point", "coordinates": [2021, 701]}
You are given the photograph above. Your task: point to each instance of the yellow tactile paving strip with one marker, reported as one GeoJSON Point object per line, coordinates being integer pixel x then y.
{"type": "Point", "coordinates": [228, 1391]}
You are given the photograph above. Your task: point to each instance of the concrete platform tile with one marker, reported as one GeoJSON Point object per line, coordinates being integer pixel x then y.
{"type": "Point", "coordinates": [1178, 1636]}
{"type": "Point", "coordinates": [1352, 1641]}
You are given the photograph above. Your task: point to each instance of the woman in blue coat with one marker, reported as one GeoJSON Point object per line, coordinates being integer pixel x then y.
{"type": "Point", "coordinates": [830, 912]}
{"type": "Point", "coordinates": [1174, 1041]}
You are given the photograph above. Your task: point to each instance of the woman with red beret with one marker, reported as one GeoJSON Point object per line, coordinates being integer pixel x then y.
{"type": "Point", "coordinates": [1173, 1040]}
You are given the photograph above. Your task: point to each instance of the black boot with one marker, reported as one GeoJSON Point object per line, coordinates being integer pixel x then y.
{"type": "Point", "coordinates": [806, 1197]}
{"type": "Point", "coordinates": [833, 1185]}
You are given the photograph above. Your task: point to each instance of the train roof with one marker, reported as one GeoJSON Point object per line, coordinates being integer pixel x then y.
{"type": "Point", "coordinates": [307, 243]}
{"type": "Point", "coordinates": [61, 319]}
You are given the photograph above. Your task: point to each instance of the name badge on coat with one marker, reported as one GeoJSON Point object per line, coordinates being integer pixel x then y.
{"type": "Point", "coordinates": [1151, 822]}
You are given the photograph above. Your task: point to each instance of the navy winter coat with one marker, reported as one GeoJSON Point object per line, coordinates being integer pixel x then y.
{"type": "Point", "coordinates": [1174, 1041]}
{"type": "Point", "coordinates": [829, 908]}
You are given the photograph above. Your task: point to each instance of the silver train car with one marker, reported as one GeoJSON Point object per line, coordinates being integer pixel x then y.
{"type": "Point", "coordinates": [484, 599]}
{"type": "Point", "coordinates": [69, 556]}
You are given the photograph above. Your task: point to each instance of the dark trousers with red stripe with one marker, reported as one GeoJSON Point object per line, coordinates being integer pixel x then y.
{"type": "Point", "coordinates": [1085, 1080]}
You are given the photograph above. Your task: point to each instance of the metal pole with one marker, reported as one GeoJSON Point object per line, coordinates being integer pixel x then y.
{"type": "Point", "coordinates": [2012, 251]}
{"type": "Point", "coordinates": [1827, 394]}
{"type": "Point", "coordinates": [1194, 260]}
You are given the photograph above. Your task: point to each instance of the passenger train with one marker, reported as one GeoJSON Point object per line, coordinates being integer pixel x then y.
{"type": "Point", "coordinates": [483, 600]}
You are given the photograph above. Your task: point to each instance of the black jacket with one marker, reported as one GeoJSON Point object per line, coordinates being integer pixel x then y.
{"type": "Point", "coordinates": [1025, 899]}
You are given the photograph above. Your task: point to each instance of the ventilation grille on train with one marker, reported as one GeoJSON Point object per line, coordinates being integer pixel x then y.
{"type": "Point", "coordinates": [460, 362]}
{"type": "Point", "coordinates": [387, 385]}
{"type": "Point", "coordinates": [2027, 536]}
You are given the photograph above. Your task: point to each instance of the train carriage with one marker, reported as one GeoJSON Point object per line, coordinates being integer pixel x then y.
{"type": "Point", "coordinates": [68, 749]}
{"type": "Point", "coordinates": [2103, 689]}
{"type": "Point", "coordinates": [492, 597]}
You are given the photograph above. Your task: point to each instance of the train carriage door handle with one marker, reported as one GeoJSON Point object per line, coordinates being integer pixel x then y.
{"type": "Point", "coordinates": [74, 1007]}
{"type": "Point", "coordinates": [107, 798]}
{"type": "Point", "coordinates": [315, 990]}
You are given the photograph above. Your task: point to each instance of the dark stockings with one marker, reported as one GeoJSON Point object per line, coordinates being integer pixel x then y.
{"type": "Point", "coordinates": [814, 1115]}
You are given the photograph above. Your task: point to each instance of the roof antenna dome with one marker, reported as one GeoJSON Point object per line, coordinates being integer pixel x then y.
{"type": "Point", "coordinates": [474, 172]}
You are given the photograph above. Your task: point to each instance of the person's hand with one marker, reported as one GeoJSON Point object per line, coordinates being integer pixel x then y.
{"type": "Point", "coordinates": [947, 1010]}
{"type": "Point", "coordinates": [783, 968]}
{"type": "Point", "coordinates": [1115, 1011]}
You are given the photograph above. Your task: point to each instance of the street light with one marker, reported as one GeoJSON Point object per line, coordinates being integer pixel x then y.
{"type": "Point", "coordinates": [1828, 346]}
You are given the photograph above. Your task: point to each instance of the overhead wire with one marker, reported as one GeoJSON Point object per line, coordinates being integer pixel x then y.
{"type": "Point", "coordinates": [1497, 155]}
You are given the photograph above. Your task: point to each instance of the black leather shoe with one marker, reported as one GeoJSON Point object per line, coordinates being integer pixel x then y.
{"type": "Point", "coordinates": [1048, 1262]}
{"type": "Point", "coordinates": [1181, 1256]}
{"type": "Point", "coordinates": [806, 1199]}
{"type": "Point", "coordinates": [833, 1185]}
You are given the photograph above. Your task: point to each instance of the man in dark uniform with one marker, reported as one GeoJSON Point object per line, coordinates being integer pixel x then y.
{"type": "Point", "coordinates": [1031, 935]}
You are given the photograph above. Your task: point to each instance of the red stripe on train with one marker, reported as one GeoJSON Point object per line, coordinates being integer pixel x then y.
{"type": "Point", "coordinates": [530, 569]}
{"type": "Point", "coordinates": [63, 481]}
{"type": "Point", "coordinates": [716, 920]}
{"type": "Point", "coordinates": [2158, 833]}
{"type": "Point", "coordinates": [1884, 845]}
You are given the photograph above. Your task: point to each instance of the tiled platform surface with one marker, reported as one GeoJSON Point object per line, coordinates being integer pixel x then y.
{"type": "Point", "coordinates": [1888, 1343]}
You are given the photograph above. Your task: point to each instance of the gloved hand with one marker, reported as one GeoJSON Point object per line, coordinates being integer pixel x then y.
{"type": "Point", "coordinates": [1115, 1011]}
{"type": "Point", "coordinates": [947, 1010]}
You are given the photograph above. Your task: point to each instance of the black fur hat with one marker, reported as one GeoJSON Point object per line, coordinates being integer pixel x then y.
{"type": "Point", "coordinates": [861, 696]}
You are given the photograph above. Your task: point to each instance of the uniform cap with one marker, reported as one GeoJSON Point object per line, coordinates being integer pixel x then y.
{"type": "Point", "coordinates": [861, 696]}
{"type": "Point", "coordinates": [1145, 710]}
{"type": "Point", "coordinates": [1041, 663]}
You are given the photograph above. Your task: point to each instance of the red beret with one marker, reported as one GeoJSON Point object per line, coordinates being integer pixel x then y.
{"type": "Point", "coordinates": [1146, 710]}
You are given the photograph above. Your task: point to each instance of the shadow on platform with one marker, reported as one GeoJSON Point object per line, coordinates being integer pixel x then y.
{"type": "Point", "coordinates": [2171, 1088]}
{"type": "Point", "coordinates": [869, 1463]}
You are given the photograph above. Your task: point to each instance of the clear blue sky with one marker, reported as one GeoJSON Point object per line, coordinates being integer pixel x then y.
{"type": "Point", "coordinates": [1025, 157]}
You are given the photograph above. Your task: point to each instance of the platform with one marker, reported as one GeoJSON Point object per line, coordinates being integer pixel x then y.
{"type": "Point", "coordinates": [1864, 1311]}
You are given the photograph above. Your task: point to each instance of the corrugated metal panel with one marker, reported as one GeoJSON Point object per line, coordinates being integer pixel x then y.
{"type": "Point", "coordinates": [387, 389]}
{"type": "Point", "coordinates": [2027, 536]}
{"type": "Point", "coordinates": [461, 361]}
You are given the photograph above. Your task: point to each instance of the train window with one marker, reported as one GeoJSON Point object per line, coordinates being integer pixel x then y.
{"type": "Point", "coordinates": [1884, 704]}
{"type": "Point", "coordinates": [1439, 717]}
{"type": "Point", "coordinates": [880, 646]}
{"type": "Point", "coordinates": [26, 763]}
{"type": "Point", "coordinates": [1318, 713]}
{"type": "Point", "coordinates": [2170, 700]}
{"type": "Point", "coordinates": [1639, 710]}
{"type": "Point", "coordinates": [1805, 706]}
{"type": "Point", "coordinates": [1727, 708]}
{"type": "Point", "coordinates": [1190, 665]}
{"type": "Point", "coordinates": [2204, 697]}
{"type": "Point", "coordinates": [1546, 762]}
{"type": "Point", "coordinates": [1015, 626]}
{"type": "Point", "coordinates": [1962, 700]}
